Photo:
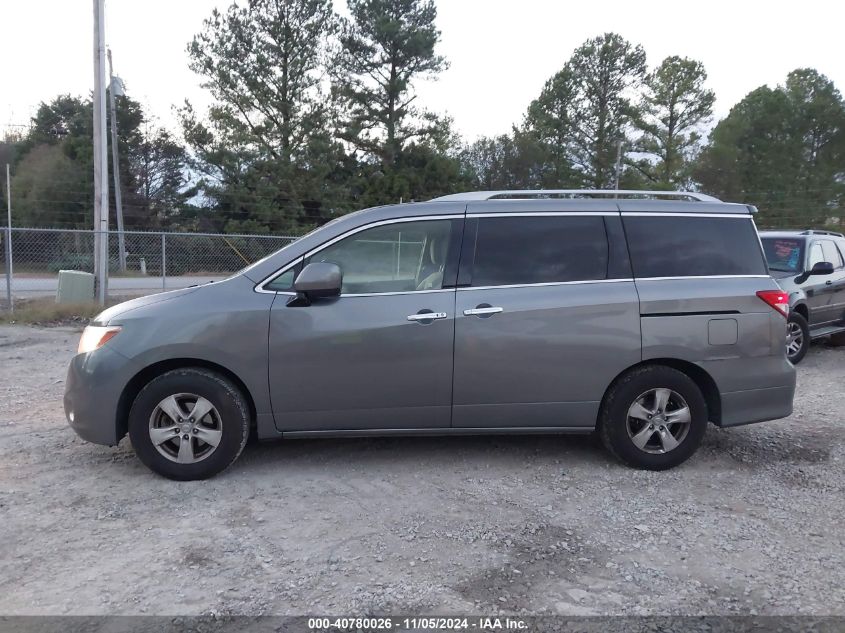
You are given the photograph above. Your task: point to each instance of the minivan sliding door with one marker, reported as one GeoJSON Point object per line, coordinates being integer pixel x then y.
{"type": "Point", "coordinates": [544, 320]}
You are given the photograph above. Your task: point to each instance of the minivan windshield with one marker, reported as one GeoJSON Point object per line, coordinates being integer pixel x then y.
{"type": "Point", "coordinates": [784, 254]}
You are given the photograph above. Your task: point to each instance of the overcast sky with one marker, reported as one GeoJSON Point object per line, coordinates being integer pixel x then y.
{"type": "Point", "coordinates": [501, 51]}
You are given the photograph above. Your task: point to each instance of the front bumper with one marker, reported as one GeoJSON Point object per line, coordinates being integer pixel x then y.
{"type": "Point", "coordinates": [93, 387]}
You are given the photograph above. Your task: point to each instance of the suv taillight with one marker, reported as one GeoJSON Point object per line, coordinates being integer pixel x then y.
{"type": "Point", "coordinates": [777, 299]}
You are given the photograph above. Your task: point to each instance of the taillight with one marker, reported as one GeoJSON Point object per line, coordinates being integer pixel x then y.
{"type": "Point", "coordinates": [777, 299]}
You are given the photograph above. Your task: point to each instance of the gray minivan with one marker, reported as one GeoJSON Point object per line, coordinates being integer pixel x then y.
{"type": "Point", "coordinates": [639, 315]}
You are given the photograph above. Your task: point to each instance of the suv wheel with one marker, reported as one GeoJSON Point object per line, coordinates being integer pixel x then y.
{"type": "Point", "coordinates": [797, 337]}
{"type": "Point", "coordinates": [189, 424]}
{"type": "Point", "coordinates": [653, 417]}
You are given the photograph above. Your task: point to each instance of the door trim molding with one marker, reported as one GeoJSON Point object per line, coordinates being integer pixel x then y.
{"type": "Point", "coordinates": [689, 277]}
{"type": "Point", "coordinates": [547, 283]}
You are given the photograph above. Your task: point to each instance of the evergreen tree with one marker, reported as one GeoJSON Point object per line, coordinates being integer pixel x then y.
{"type": "Point", "coordinates": [53, 173]}
{"type": "Point", "coordinates": [509, 161]}
{"type": "Point", "coordinates": [585, 110]}
{"type": "Point", "coordinates": [674, 108]}
{"type": "Point", "coordinates": [386, 46]}
{"type": "Point", "coordinates": [265, 149]}
{"type": "Point", "coordinates": [782, 149]}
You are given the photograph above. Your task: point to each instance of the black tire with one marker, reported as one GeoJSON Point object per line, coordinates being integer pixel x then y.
{"type": "Point", "coordinates": [230, 415]}
{"type": "Point", "coordinates": [797, 320]}
{"type": "Point", "coordinates": [614, 426]}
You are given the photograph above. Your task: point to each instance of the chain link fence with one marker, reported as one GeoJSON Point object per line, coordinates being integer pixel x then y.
{"type": "Point", "coordinates": [152, 262]}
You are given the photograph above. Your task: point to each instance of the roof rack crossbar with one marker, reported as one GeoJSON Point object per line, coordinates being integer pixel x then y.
{"type": "Point", "coordinates": [576, 193]}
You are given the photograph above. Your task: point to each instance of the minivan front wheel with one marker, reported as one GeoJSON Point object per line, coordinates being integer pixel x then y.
{"type": "Point", "coordinates": [189, 424]}
{"type": "Point", "coordinates": [654, 417]}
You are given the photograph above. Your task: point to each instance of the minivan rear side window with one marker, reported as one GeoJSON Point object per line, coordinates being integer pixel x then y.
{"type": "Point", "coordinates": [524, 250]}
{"type": "Point", "coordinates": [673, 246]}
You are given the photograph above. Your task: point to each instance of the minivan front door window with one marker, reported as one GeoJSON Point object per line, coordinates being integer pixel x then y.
{"type": "Point", "coordinates": [397, 257]}
{"type": "Point", "coordinates": [283, 282]}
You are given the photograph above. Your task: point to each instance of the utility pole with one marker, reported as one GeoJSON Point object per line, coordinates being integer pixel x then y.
{"type": "Point", "coordinates": [118, 202]}
{"type": "Point", "coordinates": [101, 169]}
{"type": "Point", "coordinates": [9, 298]}
{"type": "Point", "coordinates": [618, 164]}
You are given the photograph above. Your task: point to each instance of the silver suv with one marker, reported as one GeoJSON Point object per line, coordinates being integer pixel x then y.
{"type": "Point", "coordinates": [491, 312]}
{"type": "Point", "coordinates": [810, 267]}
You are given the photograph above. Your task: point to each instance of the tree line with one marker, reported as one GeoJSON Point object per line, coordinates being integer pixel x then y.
{"type": "Point", "coordinates": [315, 115]}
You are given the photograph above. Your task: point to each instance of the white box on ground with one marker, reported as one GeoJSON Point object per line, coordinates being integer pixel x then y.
{"type": "Point", "coordinates": [75, 286]}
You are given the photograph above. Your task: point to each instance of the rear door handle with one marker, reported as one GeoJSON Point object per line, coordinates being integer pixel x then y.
{"type": "Point", "coordinates": [483, 311]}
{"type": "Point", "coordinates": [427, 316]}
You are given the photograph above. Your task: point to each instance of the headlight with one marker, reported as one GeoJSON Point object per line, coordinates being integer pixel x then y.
{"type": "Point", "coordinates": [95, 336]}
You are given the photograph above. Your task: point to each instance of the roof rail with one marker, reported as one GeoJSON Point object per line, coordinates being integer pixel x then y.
{"type": "Point", "coordinates": [818, 232]}
{"type": "Point", "coordinates": [575, 193]}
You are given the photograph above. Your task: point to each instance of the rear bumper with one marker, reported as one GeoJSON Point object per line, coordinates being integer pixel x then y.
{"type": "Point", "coordinates": [764, 403]}
{"type": "Point", "coordinates": [762, 387]}
{"type": "Point", "coordinates": [756, 405]}
{"type": "Point", "coordinates": [92, 392]}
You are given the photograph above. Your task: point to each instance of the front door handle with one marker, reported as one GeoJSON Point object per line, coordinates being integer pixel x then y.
{"type": "Point", "coordinates": [483, 311]}
{"type": "Point", "coordinates": [427, 316]}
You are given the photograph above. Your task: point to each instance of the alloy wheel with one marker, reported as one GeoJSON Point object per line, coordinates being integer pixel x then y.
{"type": "Point", "coordinates": [185, 428]}
{"type": "Point", "coordinates": [658, 420]}
{"type": "Point", "coordinates": [794, 339]}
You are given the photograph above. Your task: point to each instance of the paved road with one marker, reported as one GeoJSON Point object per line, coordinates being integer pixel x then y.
{"type": "Point", "coordinates": [28, 287]}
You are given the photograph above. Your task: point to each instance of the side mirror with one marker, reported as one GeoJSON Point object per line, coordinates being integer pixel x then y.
{"type": "Point", "coordinates": [318, 281]}
{"type": "Point", "coordinates": [822, 268]}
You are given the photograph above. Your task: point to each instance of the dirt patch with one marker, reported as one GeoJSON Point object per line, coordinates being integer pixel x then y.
{"type": "Point", "coordinates": [530, 559]}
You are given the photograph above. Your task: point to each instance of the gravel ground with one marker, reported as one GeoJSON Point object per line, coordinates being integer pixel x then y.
{"type": "Point", "coordinates": [751, 525]}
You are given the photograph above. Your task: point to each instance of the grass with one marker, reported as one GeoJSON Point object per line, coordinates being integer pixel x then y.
{"type": "Point", "coordinates": [46, 312]}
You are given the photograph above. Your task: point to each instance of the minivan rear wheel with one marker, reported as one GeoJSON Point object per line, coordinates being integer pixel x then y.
{"type": "Point", "coordinates": [653, 417]}
{"type": "Point", "coordinates": [189, 424]}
